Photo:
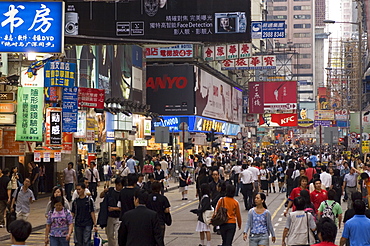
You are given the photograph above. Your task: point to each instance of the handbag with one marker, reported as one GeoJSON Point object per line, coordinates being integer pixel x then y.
{"type": "Point", "coordinates": [168, 219]}
{"type": "Point", "coordinates": [220, 217]}
{"type": "Point", "coordinates": [207, 216]}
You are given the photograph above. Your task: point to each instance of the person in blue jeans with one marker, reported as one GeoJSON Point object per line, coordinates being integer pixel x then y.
{"type": "Point", "coordinates": [83, 211]}
{"type": "Point", "coordinates": [59, 224]}
{"type": "Point", "coordinates": [259, 223]}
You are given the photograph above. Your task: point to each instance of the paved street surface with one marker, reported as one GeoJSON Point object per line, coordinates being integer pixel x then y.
{"type": "Point", "coordinates": [182, 231]}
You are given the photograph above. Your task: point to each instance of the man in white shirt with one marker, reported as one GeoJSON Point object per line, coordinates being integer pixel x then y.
{"type": "Point", "coordinates": [237, 169]}
{"type": "Point", "coordinates": [256, 172]}
{"type": "Point", "coordinates": [92, 176]}
{"type": "Point", "coordinates": [164, 165]}
{"type": "Point", "coordinates": [208, 160]}
{"type": "Point", "coordinates": [246, 179]}
{"type": "Point", "coordinates": [70, 179]}
{"type": "Point", "coordinates": [325, 178]}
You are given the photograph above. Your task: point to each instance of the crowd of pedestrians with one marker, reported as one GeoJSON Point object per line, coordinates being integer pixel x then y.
{"type": "Point", "coordinates": [135, 210]}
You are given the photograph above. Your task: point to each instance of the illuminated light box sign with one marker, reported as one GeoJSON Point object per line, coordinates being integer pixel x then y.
{"type": "Point", "coordinates": [197, 124]}
{"type": "Point", "coordinates": [31, 27]}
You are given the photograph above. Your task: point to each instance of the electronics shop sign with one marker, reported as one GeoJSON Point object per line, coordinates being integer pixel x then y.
{"type": "Point", "coordinates": [191, 20]}
{"type": "Point", "coordinates": [31, 27]}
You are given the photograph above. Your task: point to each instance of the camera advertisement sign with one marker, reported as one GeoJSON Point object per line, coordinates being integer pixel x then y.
{"type": "Point", "coordinates": [31, 27]}
{"type": "Point", "coordinates": [192, 20]}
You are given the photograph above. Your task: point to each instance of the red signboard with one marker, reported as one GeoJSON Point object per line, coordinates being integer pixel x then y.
{"type": "Point", "coordinates": [90, 98]}
{"type": "Point", "coordinates": [256, 99]}
{"type": "Point", "coordinates": [271, 120]}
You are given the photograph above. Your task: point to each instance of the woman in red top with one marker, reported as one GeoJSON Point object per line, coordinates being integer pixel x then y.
{"type": "Point", "coordinates": [228, 229]}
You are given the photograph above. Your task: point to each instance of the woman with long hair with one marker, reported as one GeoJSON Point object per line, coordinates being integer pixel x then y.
{"type": "Point", "coordinates": [259, 223]}
{"type": "Point", "coordinates": [57, 192]}
{"type": "Point", "coordinates": [15, 178]}
{"type": "Point", "coordinates": [264, 177]}
{"type": "Point", "coordinates": [202, 179]}
{"type": "Point", "coordinates": [228, 229]}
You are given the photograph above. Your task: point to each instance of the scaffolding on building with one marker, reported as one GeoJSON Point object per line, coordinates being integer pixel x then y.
{"type": "Point", "coordinates": [342, 74]}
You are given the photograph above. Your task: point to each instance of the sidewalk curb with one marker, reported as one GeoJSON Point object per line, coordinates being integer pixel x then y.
{"type": "Point", "coordinates": [41, 227]}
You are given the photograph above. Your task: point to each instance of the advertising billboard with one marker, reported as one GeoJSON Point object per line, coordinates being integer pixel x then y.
{"type": "Point", "coordinates": [170, 89]}
{"type": "Point", "coordinates": [192, 20]}
{"type": "Point", "coordinates": [274, 120]}
{"type": "Point", "coordinates": [31, 26]}
{"type": "Point", "coordinates": [272, 97]}
{"type": "Point", "coordinates": [217, 99]}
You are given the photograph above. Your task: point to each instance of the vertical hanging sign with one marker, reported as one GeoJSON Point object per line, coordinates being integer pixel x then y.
{"type": "Point", "coordinates": [70, 109]}
{"type": "Point", "coordinates": [29, 114]}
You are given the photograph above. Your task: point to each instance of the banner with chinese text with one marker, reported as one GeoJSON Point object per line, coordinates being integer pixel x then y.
{"type": "Point", "coordinates": [29, 114]}
{"type": "Point", "coordinates": [91, 98]}
{"type": "Point", "coordinates": [70, 109]}
{"type": "Point", "coordinates": [53, 126]}
{"type": "Point", "coordinates": [60, 74]}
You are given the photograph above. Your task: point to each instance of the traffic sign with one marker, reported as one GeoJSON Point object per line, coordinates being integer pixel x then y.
{"type": "Point", "coordinates": [239, 136]}
{"type": "Point", "coordinates": [248, 145]}
{"type": "Point", "coordinates": [353, 135]}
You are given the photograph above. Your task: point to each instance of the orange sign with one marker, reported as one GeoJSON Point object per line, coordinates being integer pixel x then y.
{"type": "Point", "coordinates": [67, 142]}
{"type": "Point", "coordinates": [7, 107]}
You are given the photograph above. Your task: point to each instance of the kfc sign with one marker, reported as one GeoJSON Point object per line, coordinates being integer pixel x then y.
{"type": "Point", "coordinates": [274, 120]}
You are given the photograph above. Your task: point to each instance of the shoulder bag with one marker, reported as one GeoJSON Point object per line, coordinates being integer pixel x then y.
{"type": "Point", "coordinates": [207, 216]}
{"type": "Point", "coordinates": [220, 217]}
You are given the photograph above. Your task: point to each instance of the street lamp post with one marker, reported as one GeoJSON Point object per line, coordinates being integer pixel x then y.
{"type": "Point", "coordinates": [360, 89]}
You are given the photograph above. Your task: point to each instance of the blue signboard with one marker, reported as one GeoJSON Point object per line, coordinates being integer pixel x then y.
{"type": "Point", "coordinates": [109, 127]}
{"type": "Point", "coordinates": [60, 74]}
{"type": "Point", "coordinates": [31, 27]}
{"type": "Point", "coordinates": [70, 109]}
{"type": "Point", "coordinates": [268, 29]}
{"type": "Point", "coordinates": [197, 124]}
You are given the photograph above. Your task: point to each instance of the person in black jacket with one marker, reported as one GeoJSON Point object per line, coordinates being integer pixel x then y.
{"type": "Point", "coordinates": [204, 204]}
{"type": "Point", "coordinates": [5, 194]}
{"type": "Point", "coordinates": [159, 175]}
{"type": "Point", "coordinates": [140, 226]}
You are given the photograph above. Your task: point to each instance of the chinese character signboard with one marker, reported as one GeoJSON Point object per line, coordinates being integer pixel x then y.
{"type": "Point", "coordinates": [91, 98]}
{"type": "Point", "coordinates": [53, 126]}
{"type": "Point", "coordinates": [220, 52]}
{"type": "Point", "coordinates": [70, 109]}
{"type": "Point", "coordinates": [256, 98]}
{"type": "Point", "coordinates": [81, 125]}
{"type": "Point", "coordinates": [29, 114]}
{"type": "Point", "coordinates": [268, 29]}
{"type": "Point", "coordinates": [192, 20]}
{"type": "Point", "coordinates": [209, 53]}
{"type": "Point", "coordinates": [178, 51]}
{"type": "Point", "coordinates": [232, 51]}
{"type": "Point", "coordinates": [31, 26]}
{"type": "Point", "coordinates": [245, 50]}
{"type": "Point", "coordinates": [324, 115]}
{"type": "Point", "coordinates": [60, 74]}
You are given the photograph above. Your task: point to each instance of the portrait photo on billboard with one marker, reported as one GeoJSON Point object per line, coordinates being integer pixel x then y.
{"type": "Point", "coordinates": [276, 120]}
{"type": "Point", "coordinates": [192, 20]}
{"type": "Point", "coordinates": [170, 89]}
{"type": "Point", "coordinates": [213, 97]}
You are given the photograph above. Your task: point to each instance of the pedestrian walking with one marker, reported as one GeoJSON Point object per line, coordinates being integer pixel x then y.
{"type": "Point", "coordinates": [107, 174]}
{"type": "Point", "coordinates": [16, 178]}
{"type": "Point", "coordinates": [299, 226]}
{"type": "Point", "coordinates": [350, 185]}
{"type": "Point", "coordinates": [160, 176]}
{"type": "Point", "coordinates": [160, 204]}
{"type": "Point", "coordinates": [19, 231]}
{"type": "Point", "coordinates": [295, 193]}
{"type": "Point", "coordinates": [35, 173]}
{"type": "Point", "coordinates": [327, 232]}
{"type": "Point", "coordinates": [112, 222]}
{"type": "Point", "coordinates": [70, 179]}
{"type": "Point", "coordinates": [92, 176]}
{"type": "Point", "coordinates": [183, 185]}
{"type": "Point", "coordinates": [57, 192]}
{"type": "Point", "coordinates": [59, 224]}
{"type": "Point", "coordinates": [264, 177]}
{"type": "Point", "coordinates": [234, 218]}
{"type": "Point", "coordinates": [204, 204]}
{"type": "Point", "coordinates": [259, 223]}
{"type": "Point", "coordinates": [331, 209]}
{"type": "Point", "coordinates": [22, 198]}
{"type": "Point", "coordinates": [357, 229]}
{"type": "Point", "coordinates": [140, 226]}
{"type": "Point", "coordinates": [246, 179]}
{"type": "Point", "coordinates": [83, 212]}
{"type": "Point", "coordinates": [5, 194]}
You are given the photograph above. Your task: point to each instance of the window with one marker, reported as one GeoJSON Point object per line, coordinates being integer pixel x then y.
{"type": "Point", "coordinates": [304, 56]}
{"type": "Point", "coordinates": [280, 8]}
{"type": "Point", "coordinates": [280, 17]}
{"type": "Point", "coordinates": [304, 7]}
{"type": "Point", "coordinates": [302, 16]}
{"type": "Point", "coordinates": [302, 26]}
{"type": "Point", "coordinates": [302, 45]}
{"type": "Point", "coordinates": [302, 66]}
{"type": "Point", "coordinates": [302, 35]}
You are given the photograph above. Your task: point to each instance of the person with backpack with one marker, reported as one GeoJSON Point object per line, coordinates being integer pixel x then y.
{"type": "Point", "coordinates": [59, 224]}
{"type": "Point", "coordinates": [331, 209]}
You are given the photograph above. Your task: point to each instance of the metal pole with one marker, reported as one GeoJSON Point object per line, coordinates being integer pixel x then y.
{"type": "Point", "coordinates": [360, 70]}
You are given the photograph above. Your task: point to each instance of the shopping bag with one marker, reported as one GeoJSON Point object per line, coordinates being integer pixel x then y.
{"type": "Point", "coordinates": [97, 240]}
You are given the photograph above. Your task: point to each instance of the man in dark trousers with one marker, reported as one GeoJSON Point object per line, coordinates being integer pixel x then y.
{"type": "Point", "coordinates": [140, 226]}
{"type": "Point", "coordinates": [5, 194]}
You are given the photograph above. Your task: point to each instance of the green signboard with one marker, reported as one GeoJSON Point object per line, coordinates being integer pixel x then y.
{"type": "Point", "coordinates": [29, 114]}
